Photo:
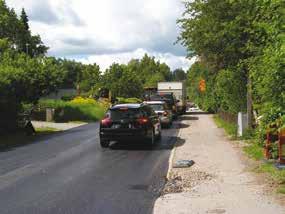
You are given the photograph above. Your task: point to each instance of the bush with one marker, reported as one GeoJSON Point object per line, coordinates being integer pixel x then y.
{"type": "Point", "coordinates": [128, 100]}
{"type": "Point", "coordinates": [67, 97]}
{"type": "Point", "coordinates": [79, 109]}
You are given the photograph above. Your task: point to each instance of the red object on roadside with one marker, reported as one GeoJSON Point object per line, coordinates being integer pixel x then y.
{"type": "Point", "coordinates": [281, 147]}
{"type": "Point", "coordinates": [267, 147]}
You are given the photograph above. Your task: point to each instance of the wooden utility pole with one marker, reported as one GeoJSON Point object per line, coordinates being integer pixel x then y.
{"type": "Point", "coordinates": [249, 102]}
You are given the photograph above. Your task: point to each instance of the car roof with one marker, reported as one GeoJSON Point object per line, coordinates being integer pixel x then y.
{"type": "Point", "coordinates": [128, 105]}
{"type": "Point", "coordinates": [154, 102]}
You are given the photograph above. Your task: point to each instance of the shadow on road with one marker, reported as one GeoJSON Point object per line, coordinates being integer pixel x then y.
{"type": "Point", "coordinates": [164, 144]}
{"type": "Point", "coordinates": [196, 113]}
{"type": "Point", "coordinates": [179, 126]}
{"type": "Point", "coordinates": [188, 117]}
{"type": "Point", "coordinates": [13, 141]}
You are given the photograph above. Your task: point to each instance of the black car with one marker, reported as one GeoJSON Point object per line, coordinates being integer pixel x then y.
{"type": "Point", "coordinates": [169, 99]}
{"type": "Point", "coordinates": [130, 122]}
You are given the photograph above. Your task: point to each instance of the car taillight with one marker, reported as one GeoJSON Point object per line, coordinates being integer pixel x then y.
{"type": "Point", "coordinates": [106, 122]}
{"type": "Point", "coordinates": [165, 113]}
{"type": "Point", "coordinates": [142, 120]}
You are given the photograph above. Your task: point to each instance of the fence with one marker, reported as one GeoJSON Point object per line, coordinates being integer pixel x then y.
{"type": "Point", "coordinates": [228, 117]}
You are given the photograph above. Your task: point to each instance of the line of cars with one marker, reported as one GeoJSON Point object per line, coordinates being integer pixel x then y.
{"type": "Point", "coordinates": [141, 122]}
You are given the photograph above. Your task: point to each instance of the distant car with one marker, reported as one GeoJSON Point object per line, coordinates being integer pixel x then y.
{"type": "Point", "coordinates": [163, 111]}
{"type": "Point", "coordinates": [170, 99]}
{"type": "Point", "coordinates": [130, 122]}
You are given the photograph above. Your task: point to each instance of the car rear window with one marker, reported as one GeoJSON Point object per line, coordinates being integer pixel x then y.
{"type": "Point", "coordinates": [167, 96]}
{"type": "Point", "coordinates": [157, 107]}
{"type": "Point", "coordinates": [124, 113]}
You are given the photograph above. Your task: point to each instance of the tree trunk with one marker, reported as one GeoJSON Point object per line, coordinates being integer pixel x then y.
{"type": "Point", "coordinates": [249, 103]}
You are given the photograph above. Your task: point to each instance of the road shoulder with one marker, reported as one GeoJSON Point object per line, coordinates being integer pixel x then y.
{"type": "Point", "coordinates": [218, 182]}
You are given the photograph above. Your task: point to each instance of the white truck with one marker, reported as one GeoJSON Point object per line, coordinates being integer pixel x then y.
{"type": "Point", "coordinates": [178, 89]}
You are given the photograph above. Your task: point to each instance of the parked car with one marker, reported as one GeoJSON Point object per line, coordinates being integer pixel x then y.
{"type": "Point", "coordinates": [163, 111]}
{"type": "Point", "coordinates": [130, 122]}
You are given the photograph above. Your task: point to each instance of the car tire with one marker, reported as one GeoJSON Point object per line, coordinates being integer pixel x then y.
{"type": "Point", "coordinates": [104, 143]}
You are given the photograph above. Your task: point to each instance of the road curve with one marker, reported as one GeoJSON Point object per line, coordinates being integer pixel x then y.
{"type": "Point", "coordinates": [69, 173]}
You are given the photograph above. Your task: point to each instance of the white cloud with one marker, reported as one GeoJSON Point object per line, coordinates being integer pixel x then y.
{"type": "Point", "coordinates": [104, 29]}
{"type": "Point", "coordinates": [105, 60]}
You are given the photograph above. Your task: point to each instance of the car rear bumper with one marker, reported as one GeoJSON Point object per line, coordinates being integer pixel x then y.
{"type": "Point", "coordinates": [117, 134]}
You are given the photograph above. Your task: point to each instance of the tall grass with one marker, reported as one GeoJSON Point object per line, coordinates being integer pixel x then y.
{"type": "Point", "coordinates": [230, 128]}
{"type": "Point", "coordinates": [74, 111]}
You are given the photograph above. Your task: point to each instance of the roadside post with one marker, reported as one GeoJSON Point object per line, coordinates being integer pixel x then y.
{"type": "Point", "coordinates": [267, 148]}
{"type": "Point", "coordinates": [50, 114]}
{"type": "Point", "coordinates": [242, 123]}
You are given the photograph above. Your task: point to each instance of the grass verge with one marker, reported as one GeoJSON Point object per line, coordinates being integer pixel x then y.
{"type": "Point", "coordinates": [230, 128]}
{"type": "Point", "coordinates": [255, 151]}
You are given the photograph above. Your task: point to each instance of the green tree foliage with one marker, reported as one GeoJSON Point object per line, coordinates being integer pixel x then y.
{"type": "Point", "coordinates": [24, 80]}
{"type": "Point", "coordinates": [208, 100]}
{"type": "Point", "coordinates": [236, 40]}
{"type": "Point", "coordinates": [122, 81]}
{"type": "Point", "coordinates": [17, 31]}
{"type": "Point", "coordinates": [90, 78]}
{"type": "Point", "coordinates": [179, 75]}
{"type": "Point", "coordinates": [129, 80]}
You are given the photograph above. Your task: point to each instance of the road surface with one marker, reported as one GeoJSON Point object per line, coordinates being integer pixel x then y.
{"type": "Point", "coordinates": [69, 173]}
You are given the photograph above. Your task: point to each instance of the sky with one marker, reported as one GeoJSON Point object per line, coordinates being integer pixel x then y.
{"type": "Point", "coordinates": [108, 31]}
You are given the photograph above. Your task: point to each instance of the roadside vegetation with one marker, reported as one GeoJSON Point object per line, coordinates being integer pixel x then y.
{"type": "Point", "coordinates": [253, 148]}
{"type": "Point", "coordinates": [78, 109]}
{"type": "Point", "coordinates": [230, 128]}
{"type": "Point", "coordinates": [240, 50]}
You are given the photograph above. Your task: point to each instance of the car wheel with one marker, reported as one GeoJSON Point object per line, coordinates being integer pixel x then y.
{"type": "Point", "coordinates": [104, 143]}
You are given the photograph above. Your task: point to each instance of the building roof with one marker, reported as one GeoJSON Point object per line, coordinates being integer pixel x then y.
{"type": "Point", "coordinates": [128, 105]}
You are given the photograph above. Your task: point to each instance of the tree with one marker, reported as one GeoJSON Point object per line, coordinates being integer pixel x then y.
{"type": "Point", "coordinates": [90, 78]}
{"type": "Point", "coordinates": [236, 41]}
{"type": "Point", "coordinates": [17, 31]}
{"type": "Point", "coordinates": [25, 20]}
{"type": "Point", "coordinates": [179, 74]}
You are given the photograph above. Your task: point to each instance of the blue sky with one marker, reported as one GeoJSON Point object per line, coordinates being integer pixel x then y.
{"type": "Point", "coordinates": [107, 31]}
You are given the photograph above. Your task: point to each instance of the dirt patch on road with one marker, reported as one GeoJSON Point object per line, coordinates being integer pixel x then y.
{"type": "Point", "coordinates": [183, 180]}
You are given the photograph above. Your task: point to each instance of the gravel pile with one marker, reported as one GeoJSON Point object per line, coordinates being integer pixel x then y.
{"type": "Point", "coordinates": [183, 180]}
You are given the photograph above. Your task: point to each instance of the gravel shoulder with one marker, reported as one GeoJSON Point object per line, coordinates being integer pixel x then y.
{"type": "Point", "coordinates": [218, 182]}
{"type": "Point", "coordinates": [59, 126]}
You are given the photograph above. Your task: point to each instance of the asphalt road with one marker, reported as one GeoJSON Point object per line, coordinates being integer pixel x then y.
{"type": "Point", "coordinates": [69, 173]}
